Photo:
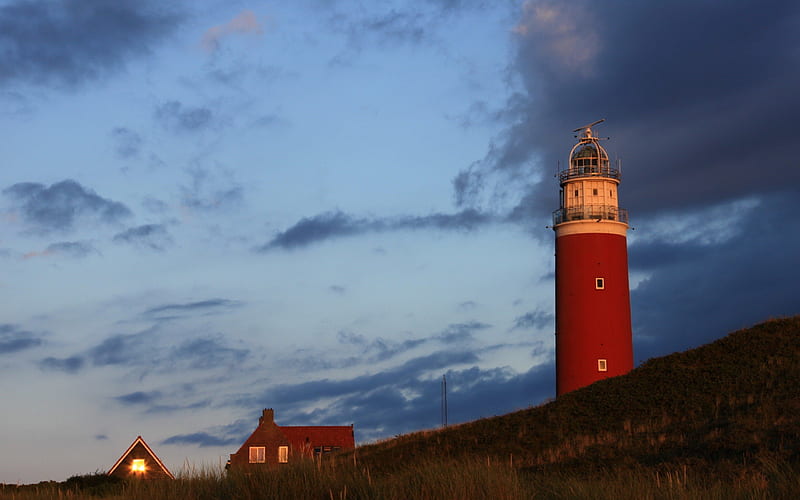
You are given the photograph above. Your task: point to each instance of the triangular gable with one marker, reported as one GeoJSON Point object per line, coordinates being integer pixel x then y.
{"type": "Point", "coordinates": [140, 450]}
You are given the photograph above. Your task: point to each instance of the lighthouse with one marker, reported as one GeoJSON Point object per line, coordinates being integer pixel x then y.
{"type": "Point", "coordinates": [593, 311]}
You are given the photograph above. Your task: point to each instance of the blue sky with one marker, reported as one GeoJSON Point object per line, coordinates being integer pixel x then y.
{"type": "Point", "coordinates": [210, 208]}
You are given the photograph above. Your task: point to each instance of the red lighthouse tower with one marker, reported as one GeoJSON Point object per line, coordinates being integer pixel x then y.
{"type": "Point", "coordinates": [593, 311]}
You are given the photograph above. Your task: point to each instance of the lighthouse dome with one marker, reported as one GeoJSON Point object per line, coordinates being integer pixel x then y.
{"type": "Point", "coordinates": [589, 150]}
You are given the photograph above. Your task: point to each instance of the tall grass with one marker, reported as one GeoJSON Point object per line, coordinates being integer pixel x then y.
{"type": "Point", "coordinates": [440, 479]}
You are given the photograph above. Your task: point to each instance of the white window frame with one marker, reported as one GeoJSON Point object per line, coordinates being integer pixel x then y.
{"type": "Point", "coordinates": [599, 283]}
{"type": "Point", "coordinates": [283, 454]}
{"type": "Point", "coordinates": [602, 365]}
{"type": "Point", "coordinates": [258, 454]}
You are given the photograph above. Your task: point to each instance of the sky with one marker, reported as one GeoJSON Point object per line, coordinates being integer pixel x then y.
{"type": "Point", "coordinates": [325, 206]}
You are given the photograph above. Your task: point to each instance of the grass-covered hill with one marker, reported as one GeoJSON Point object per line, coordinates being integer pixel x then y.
{"type": "Point", "coordinates": [721, 406]}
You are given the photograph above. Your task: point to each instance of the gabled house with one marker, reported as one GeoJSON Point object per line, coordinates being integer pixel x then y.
{"type": "Point", "coordinates": [139, 461]}
{"type": "Point", "coordinates": [271, 444]}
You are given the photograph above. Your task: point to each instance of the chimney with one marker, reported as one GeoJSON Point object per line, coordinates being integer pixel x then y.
{"type": "Point", "coordinates": [267, 416]}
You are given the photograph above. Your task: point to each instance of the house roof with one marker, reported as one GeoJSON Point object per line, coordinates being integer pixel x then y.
{"type": "Point", "coordinates": [136, 441]}
{"type": "Point", "coordinates": [320, 435]}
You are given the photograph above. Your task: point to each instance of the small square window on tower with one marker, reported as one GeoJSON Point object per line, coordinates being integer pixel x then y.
{"type": "Point", "coordinates": [602, 365]}
{"type": "Point", "coordinates": [600, 283]}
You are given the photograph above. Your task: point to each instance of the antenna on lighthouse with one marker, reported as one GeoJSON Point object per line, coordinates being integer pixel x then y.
{"type": "Point", "coordinates": [587, 129]}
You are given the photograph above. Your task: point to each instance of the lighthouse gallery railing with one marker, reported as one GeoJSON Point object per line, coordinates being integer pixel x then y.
{"type": "Point", "coordinates": [589, 212]}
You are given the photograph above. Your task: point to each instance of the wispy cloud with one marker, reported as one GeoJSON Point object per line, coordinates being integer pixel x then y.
{"type": "Point", "coordinates": [200, 307]}
{"type": "Point", "coordinates": [14, 339]}
{"type": "Point", "coordinates": [150, 236]}
{"type": "Point", "coordinates": [245, 23]}
{"type": "Point", "coordinates": [331, 225]}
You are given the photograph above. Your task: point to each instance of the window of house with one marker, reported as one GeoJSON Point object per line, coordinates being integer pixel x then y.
{"type": "Point", "coordinates": [602, 365]}
{"type": "Point", "coordinates": [576, 192]}
{"type": "Point", "coordinates": [258, 454]}
{"type": "Point", "coordinates": [594, 192]}
{"type": "Point", "coordinates": [138, 465]}
{"type": "Point", "coordinates": [600, 283]}
{"type": "Point", "coordinates": [283, 454]}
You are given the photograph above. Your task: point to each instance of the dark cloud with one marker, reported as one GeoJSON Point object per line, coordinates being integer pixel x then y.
{"type": "Point", "coordinates": [200, 307]}
{"type": "Point", "coordinates": [206, 353]}
{"type": "Point", "coordinates": [294, 394]}
{"type": "Point", "coordinates": [59, 206]}
{"type": "Point", "coordinates": [128, 143]}
{"type": "Point", "coordinates": [229, 435]}
{"type": "Point", "coordinates": [147, 350]}
{"type": "Point", "coordinates": [414, 403]}
{"type": "Point", "coordinates": [14, 339]}
{"type": "Point", "coordinates": [177, 117]}
{"type": "Point", "coordinates": [101, 437]}
{"type": "Point", "coordinates": [460, 332]}
{"type": "Point", "coordinates": [717, 287]}
{"type": "Point", "coordinates": [72, 364]}
{"type": "Point", "coordinates": [695, 117]}
{"type": "Point", "coordinates": [337, 289]}
{"type": "Point", "coordinates": [75, 249]}
{"type": "Point", "coordinates": [138, 398]}
{"type": "Point", "coordinates": [150, 236]}
{"type": "Point", "coordinates": [203, 439]}
{"type": "Point", "coordinates": [534, 319]}
{"type": "Point", "coordinates": [69, 43]}
{"type": "Point", "coordinates": [337, 224]}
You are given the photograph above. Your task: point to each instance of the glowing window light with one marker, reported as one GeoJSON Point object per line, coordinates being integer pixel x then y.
{"type": "Point", "coordinates": [138, 465]}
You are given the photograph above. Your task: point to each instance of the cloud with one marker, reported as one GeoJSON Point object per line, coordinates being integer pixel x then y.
{"type": "Point", "coordinates": [150, 236]}
{"type": "Point", "coordinates": [71, 364]}
{"type": "Point", "coordinates": [330, 225]}
{"type": "Point", "coordinates": [138, 398]}
{"type": "Point", "coordinates": [61, 205]}
{"type": "Point", "coordinates": [206, 353]}
{"type": "Point", "coordinates": [128, 143]}
{"type": "Point", "coordinates": [203, 439]}
{"type": "Point", "coordinates": [534, 319]}
{"type": "Point", "coordinates": [244, 23]}
{"type": "Point", "coordinates": [176, 117]}
{"type": "Point", "coordinates": [70, 43]}
{"type": "Point", "coordinates": [149, 349]}
{"type": "Point", "coordinates": [197, 308]}
{"type": "Point", "coordinates": [73, 249]}
{"type": "Point", "coordinates": [13, 339]}
{"type": "Point", "coordinates": [211, 190]}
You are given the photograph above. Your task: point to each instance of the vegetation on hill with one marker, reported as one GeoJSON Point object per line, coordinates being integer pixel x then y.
{"type": "Point", "coordinates": [720, 421]}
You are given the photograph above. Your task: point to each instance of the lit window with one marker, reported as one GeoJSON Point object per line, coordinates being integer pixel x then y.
{"type": "Point", "coordinates": [258, 454]}
{"type": "Point", "coordinates": [138, 465]}
{"type": "Point", "coordinates": [600, 283]}
{"type": "Point", "coordinates": [283, 454]}
{"type": "Point", "coordinates": [602, 365]}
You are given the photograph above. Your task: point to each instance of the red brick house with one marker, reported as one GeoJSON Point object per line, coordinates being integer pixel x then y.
{"type": "Point", "coordinates": [271, 444]}
{"type": "Point", "coordinates": [139, 461]}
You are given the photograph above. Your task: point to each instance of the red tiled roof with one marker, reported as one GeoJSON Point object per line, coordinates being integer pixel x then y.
{"type": "Point", "coordinates": [320, 435]}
